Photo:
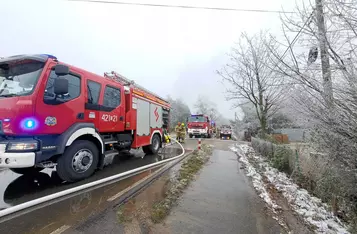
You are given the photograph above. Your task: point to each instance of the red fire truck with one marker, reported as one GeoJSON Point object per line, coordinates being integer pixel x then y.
{"type": "Point", "coordinates": [199, 126]}
{"type": "Point", "coordinates": [56, 115]}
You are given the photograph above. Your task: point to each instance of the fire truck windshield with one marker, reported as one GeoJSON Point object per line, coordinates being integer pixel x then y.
{"type": "Point", "coordinates": [19, 77]}
{"type": "Point", "coordinates": [197, 119]}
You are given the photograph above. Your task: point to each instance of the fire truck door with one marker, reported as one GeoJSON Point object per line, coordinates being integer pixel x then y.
{"type": "Point", "coordinates": [57, 113]}
{"type": "Point", "coordinates": [112, 113]}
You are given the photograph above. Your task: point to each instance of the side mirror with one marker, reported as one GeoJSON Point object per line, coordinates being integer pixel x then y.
{"type": "Point", "coordinates": [61, 70]}
{"type": "Point", "coordinates": [60, 86]}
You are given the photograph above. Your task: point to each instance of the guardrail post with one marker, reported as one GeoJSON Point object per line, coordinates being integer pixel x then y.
{"type": "Point", "coordinates": [199, 144]}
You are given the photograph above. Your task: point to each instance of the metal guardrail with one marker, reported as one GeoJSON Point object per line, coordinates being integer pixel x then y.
{"type": "Point", "coordinates": [48, 198]}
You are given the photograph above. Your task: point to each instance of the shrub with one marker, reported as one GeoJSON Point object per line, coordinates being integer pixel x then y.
{"type": "Point", "coordinates": [271, 139]}
{"type": "Point", "coordinates": [265, 148]}
{"type": "Point", "coordinates": [278, 155]}
{"type": "Point", "coordinates": [280, 159]}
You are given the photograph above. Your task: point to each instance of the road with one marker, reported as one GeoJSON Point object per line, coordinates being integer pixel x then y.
{"type": "Point", "coordinates": [16, 189]}
{"type": "Point", "coordinates": [220, 201]}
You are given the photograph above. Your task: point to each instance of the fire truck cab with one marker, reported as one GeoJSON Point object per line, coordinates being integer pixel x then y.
{"type": "Point", "coordinates": [226, 132]}
{"type": "Point", "coordinates": [56, 115]}
{"type": "Point", "coordinates": [199, 126]}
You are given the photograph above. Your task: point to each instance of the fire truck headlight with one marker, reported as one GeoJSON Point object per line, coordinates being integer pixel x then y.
{"type": "Point", "coordinates": [22, 146]}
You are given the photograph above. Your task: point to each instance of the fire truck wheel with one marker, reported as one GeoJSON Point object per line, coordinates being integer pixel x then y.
{"type": "Point", "coordinates": [190, 136]}
{"type": "Point", "coordinates": [78, 162]}
{"type": "Point", "coordinates": [154, 147]}
{"type": "Point", "coordinates": [27, 170]}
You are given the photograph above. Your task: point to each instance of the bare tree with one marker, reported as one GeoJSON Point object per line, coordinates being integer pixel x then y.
{"type": "Point", "coordinates": [251, 77]}
{"type": "Point", "coordinates": [179, 111]}
{"type": "Point", "coordinates": [309, 74]}
{"type": "Point", "coordinates": [204, 106]}
{"type": "Point", "coordinates": [334, 133]}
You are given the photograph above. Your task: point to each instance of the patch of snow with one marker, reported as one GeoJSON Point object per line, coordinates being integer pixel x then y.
{"type": "Point", "coordinates": [309, 207]}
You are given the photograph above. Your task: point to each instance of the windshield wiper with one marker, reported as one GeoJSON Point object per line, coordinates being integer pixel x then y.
{"type": "Point", "coordinates": [8, 95]}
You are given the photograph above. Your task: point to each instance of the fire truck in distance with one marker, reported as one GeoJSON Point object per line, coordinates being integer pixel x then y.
{"type": "Point", "coordinates": [56, 115]}
{"type": "Point", "coordinates": [199, 126]}
{"type": "Point", "coordinates": [226, 132]}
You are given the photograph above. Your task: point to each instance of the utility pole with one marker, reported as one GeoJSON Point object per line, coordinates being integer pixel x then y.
{"type": "Point", "coordinates": [325, 61]}
{"type": "Point", "coordinates": [236, 127]}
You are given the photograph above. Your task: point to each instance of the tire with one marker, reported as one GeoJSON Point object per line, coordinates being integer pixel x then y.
{"type": "Point", "coordinates": [190, 136]}
{"type": "Point", "coordinates": [27, 170]}
{"type": "Point", "coordinates": [82, 150]}
{"type": "Point", "coordinates": [154, 148]}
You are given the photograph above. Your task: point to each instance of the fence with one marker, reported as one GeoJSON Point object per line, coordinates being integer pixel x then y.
{"type": "Point", "coordinates": [294, 134]}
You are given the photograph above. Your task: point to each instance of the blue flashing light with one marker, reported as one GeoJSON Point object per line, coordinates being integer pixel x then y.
{"type": "Point", "coordinates": [29, 124]}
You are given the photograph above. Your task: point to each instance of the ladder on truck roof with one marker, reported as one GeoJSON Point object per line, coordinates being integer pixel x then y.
{"type": "Point", "coordinates": [126, 82]}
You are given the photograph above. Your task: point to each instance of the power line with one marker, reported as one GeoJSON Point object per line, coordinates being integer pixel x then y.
{"type": "Point", "coordinates": [294, 40]}
{"type": "Point", "coordinates": [297, 35]}
{"type": "Point", "coordinates": [185, 6]}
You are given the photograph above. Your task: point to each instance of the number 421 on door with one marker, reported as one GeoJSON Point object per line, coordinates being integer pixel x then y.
{"type": "Point", "coordinates": [110, 118]}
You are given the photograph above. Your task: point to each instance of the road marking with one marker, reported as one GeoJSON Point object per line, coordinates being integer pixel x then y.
{"type": "Point", "coordinates": [60, 230]}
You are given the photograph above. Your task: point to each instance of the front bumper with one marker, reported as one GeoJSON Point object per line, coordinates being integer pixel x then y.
{"type": "Point", "coordinates": [16, 159]}
{"type": "Point", "coordinates": [197, 131]}
{"type": "Point", "coordinates": [226, 134]}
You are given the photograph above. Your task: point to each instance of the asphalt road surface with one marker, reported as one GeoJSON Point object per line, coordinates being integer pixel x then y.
{"type": "Point", "coordinates": [16, 189]}
{"type": "Point", "coordinates": [221, 200]}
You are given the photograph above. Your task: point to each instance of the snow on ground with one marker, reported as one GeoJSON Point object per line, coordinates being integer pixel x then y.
{"type": "Point", "coordinates": [309, 207]}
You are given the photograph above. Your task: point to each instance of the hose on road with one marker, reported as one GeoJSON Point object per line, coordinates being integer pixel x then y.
{"type": "Point", "coordinates": [104, 181]}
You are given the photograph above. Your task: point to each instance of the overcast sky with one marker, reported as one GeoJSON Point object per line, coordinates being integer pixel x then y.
{"type": "Point", "coordinates": [168, 50]}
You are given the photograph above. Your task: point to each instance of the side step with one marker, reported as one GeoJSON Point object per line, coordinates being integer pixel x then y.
{"type": "Point", "coordinates": [108, 158]}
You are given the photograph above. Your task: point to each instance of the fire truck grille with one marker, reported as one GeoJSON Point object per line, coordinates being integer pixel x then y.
{"type": "Point", "coordinates": [197, 127]}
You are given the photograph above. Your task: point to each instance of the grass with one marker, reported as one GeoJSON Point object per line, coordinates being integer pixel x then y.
{"type": "Point", "coordinates": [186, 174]}
{"type": "Point", "coordinates": [123, 216]}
